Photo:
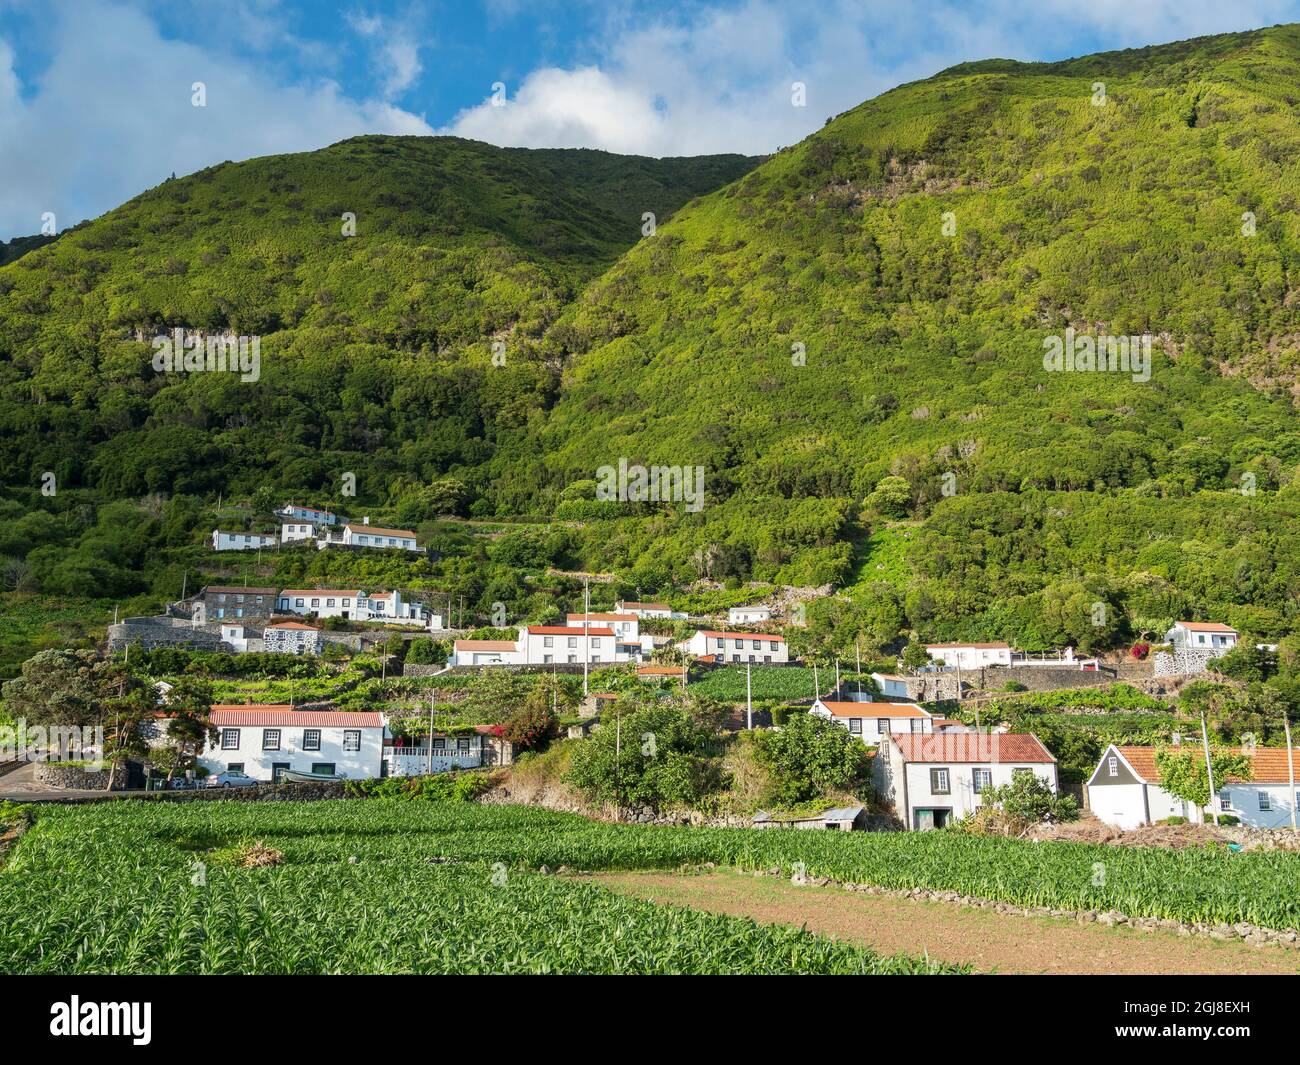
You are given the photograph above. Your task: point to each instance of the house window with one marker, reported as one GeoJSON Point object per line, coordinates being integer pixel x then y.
{"type": "Point", "coordinates": [329, 602]}
{"type": "Point", "coordinates": [439, 744]}
{"type": "Point", "coordinates": [230, 739]}
{"type": "Point", "coordinates": [548, 641]}
{"type": "Point", "coordinates": [981, 779]}
{"type": "Point", "coordinates": [882, 726]}
{"type": "Point", "coordinates": [347, 602]}
{"type": "Point", "coordinates": [462, 745]}
{"type": "Point", "coordinates": [325, 769]}
{"type": "Point", "coordinates": [234, 767]}
{"type": "Point", "coordinates": [352, 739]}
{"type": "Point", "coordinates": [767, 659]}
{"type": "Point", "coordinates": [917, 724]}
{"type": "Point", "coordinates": [311, 739]}
{"type": "Point", "coordinates": [855, 726]}
{"type": "Point", "coordinates": [939, 782]}
{"type": "Point", "coordinates": [721, 644]}
{"type": "Point", "coordinates": [1265, 805]}
{"type": "Point", "coordinates": [573, 641]}
{"type": "Point", "coordinates": [1225, 800]}
{"type": "Point", "coordinates": [739, 643]}
{"type": "Point", "coordinates": [298, 601]}
{"type": "Point", "coordinates": [572, 659]}
{"type": "Point", "coordinates": [754, 644]}
{"type": "Point", "coordinates": [315, 603]}
{"type": "Point", "coordinates": [735, 658]}
{"type": "Point", "coordinates": [1112, 766]}
{"type": "Point", "coordinates": [270, 739]}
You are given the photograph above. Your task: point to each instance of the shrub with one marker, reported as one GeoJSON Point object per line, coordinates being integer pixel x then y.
{"type": "Point", "coordinates": [809, 757]}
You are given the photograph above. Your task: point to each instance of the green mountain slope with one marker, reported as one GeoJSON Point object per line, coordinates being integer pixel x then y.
{"type": "Point", "coordinates": [848, 338]}
{"type": "Point", "coordinates": [370, 344]}
{"type": "Point", "coordinates": [923, 343]}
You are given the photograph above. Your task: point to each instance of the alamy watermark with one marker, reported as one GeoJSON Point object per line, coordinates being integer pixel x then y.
{"type": "Point", "coordinates": [182, 352]}
{"type": "Point", "coordinates": [1084, 353]}
{"type": "Point", "coordinates": [626, 483]}
{"type": "Point", "coordinates": [53, 743]}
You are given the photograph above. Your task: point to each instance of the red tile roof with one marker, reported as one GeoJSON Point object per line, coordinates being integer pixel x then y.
{"type": "Point", "coordinates": [567, 630]}
{"type": "Point", "coordinates": [658, 671]}
{"type": "Point", "coordinates": [989, 646]}
{"type": "Point", "coordinates": [1268, 764]}
{"type": "Point", "coordinates": [852, 709]}
{"type": "Point", "coordinates": [644, 606]}
{"type": "Point", "coordinates": [281, 715]}
{"type": "Point", "coordinates": [292, 625]}
{"type": "Point", "coordinates": [348, 592]}
{"type": "Point", "coordinates": [603, 617]}
{"type": "Point", "coordinates": [1207, 626]}
{"type": "Point", "coordinates": [1006, 747]}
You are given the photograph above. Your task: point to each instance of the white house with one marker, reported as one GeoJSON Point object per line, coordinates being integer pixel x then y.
{"type": "Point", "coordinates": [1201, 636]}
{"type": "Point", "coordinates": [240, 541]}
{"type": "Point", "coordinates": [630, 644]}
{"type": "Point", "coordinates": [233, 634]}
{"type": "Point", "coordinates": [970, 655]}
{"type": "Point", "coordinates": [295, 531]}
{"type": "Point", "coordinates": [414, 758]}
{"type": "Point", "coordinates": [870, 721]}
{"type": "Point", "coordinates": [757, 647]}
{"type": "Point", "coordinates": [292, 638]}
{"type": "Point", "coordinates": [547, 644]}
{"type": "Point", "coordinates": [355, 604]}
{"type": "Point", "coordinates": [544, 645]}
{"type": "Point", "coordinates": [294, 512]}
{"type": "Point", "coordinates": [643, 610]}
{"type": "Point", "coordinates": [486, 653]}
{"type": "Point", "coordinates": [262, 740]}
{"type": "Point", "coordinates": [932, 779]}
{"type": "Point", "coordinates": [367, 535]}
{"type": "Point", "coordinates": [747, 615]}
{"type": "Point", "coordinates": [1125, 791]}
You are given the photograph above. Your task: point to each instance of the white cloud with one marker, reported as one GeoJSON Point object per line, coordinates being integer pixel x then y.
{"type": "Point", "coordinates": [111, 115]}
{"type": "Point", "coordinates": [397, 57]}
{"type": "Point", "coordinates": [718, 79]}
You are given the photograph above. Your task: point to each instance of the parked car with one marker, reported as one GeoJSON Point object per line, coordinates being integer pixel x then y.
{"type": "Point", "coordinates": [227, 779]}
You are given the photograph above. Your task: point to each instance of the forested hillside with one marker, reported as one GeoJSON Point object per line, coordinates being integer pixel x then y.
{"type": "Point", "coordinates": [848, 337]}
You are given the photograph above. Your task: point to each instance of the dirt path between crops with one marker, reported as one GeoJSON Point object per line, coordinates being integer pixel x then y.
{"type": "Point", "coordinates": [991, 942]}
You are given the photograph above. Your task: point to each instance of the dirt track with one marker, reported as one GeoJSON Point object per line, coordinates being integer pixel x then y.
{"type": "Point", "coordinates": [989, 941]}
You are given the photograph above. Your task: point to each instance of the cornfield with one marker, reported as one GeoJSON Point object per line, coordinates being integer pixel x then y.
{"type": "Point", "coordinates": [378, 887]}
{"type": "Point", "coordinates": [361, 887]}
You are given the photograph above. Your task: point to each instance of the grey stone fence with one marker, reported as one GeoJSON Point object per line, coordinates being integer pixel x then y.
{"type": "Point", "coordinates": [79, 778]}
{"type": "Point", "coordinates": [1191, 660]}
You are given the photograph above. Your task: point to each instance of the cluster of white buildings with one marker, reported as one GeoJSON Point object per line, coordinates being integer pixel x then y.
{"type": "Point", "coordinates": [323, 527]}
{"type": "Point", "coordinates": [356, 604]}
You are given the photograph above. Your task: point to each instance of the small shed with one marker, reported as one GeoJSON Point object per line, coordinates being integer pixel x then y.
{"type": "Point", "coordinates": [842, 818]}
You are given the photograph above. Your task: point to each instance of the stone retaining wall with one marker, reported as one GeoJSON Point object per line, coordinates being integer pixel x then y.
{"type": "Point", "coordinates": [78, 778]}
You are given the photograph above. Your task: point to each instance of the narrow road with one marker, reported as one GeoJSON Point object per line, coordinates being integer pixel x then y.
{"type": "Point", "coordinates": [991, 942]}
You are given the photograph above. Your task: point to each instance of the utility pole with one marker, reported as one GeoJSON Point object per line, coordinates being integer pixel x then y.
{"type": "Point", "coordinates": [817, 688]}
{"type": "Point", "coordinates": [749, 700]}
{"type": "Point", "coordinates": [586, 640]}
{"type": "Point", "coordinates": [1209, 772]}
{"type": "Point", "coordinates": [837, 675]}
{"type": "Point", "coordinates": [1290, 763]}
{"type": "Point", "coordinates": [429, 761]}
{"type": "Point", "coordinates": [857, 650]}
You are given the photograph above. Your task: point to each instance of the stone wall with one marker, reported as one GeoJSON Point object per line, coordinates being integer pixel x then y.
{"type": "Point", "coordinates": [290, 791]}
{"type": "Point", "coordinates": [162, 631]}
{"type": "Point", "coordinates": [1037, 678]}
{"type": "Point", "coordinates": [1190, 660]}
{"type": "Point", "coordinates": [78, 778]}
{"type": "Point", "coordinates": [421, 669]}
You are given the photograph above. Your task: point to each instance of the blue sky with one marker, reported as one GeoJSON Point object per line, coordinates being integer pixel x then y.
{"type": "Point", "coordinates": [96, 98]}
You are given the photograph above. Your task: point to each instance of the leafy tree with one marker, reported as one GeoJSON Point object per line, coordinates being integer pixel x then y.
{"type": "Point", "coordinates": [891, 497]}
{"type": "Point", "coordinates": [1183, 773]}
{"type": "Point", "coordinates": [654, 755]}
{"type": "Point", "coordinates": [1029, 800]}
{"type": "Point", "coordinates": [534, 723]}
{"type": "Point", "coordinates": [810, 756]}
